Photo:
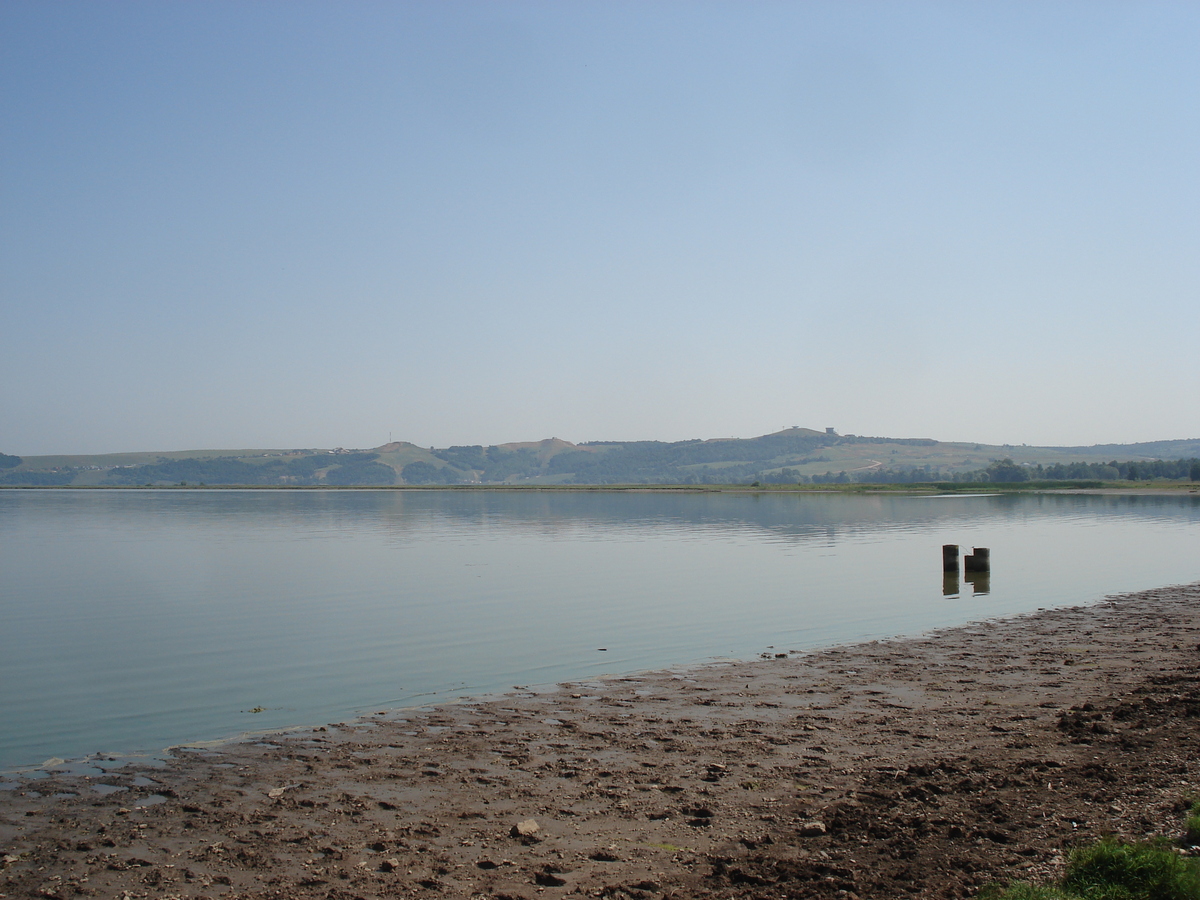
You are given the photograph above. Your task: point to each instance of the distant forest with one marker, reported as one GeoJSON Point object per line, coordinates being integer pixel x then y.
{"type": "Point", "coordinates": [343, 468]}
{"type": "Point", "coordinates": [700, 462]}
{"type": "Point", "coordinates": [735, 461]}
{"type": "Point", "coordinates": [491, 464]}
{"type": "Point", "coordinates": [1008, 472]}
{"type": "Point", "coordinates": [340, 469]}
{"type": "Point", "coordinates": [786, 457]}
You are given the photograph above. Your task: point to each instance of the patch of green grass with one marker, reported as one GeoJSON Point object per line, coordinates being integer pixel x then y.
{"type": "Point", "coordinates": [1112, 870]}
{"type": "Point", "coordinates": [1119, 871]}
{"type": "Point", "coordinates": [1025, 892]}
{"type": "Point", "coordinates": [1191, 825]}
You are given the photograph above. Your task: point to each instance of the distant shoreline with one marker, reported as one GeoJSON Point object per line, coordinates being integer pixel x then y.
{"type": "Point", "coordinates": [784, 460]}
{"type": "Point", "coordinates": [854, 488]}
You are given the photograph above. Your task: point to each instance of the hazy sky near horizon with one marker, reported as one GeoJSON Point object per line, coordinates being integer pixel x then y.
{"type": "Point", "coordinates": [231, 224]}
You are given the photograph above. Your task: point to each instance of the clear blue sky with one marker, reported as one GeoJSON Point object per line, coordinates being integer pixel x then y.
{"type": "Point", "coordinates": [240, 224]}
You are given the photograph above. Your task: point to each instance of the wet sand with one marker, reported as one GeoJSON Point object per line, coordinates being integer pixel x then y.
{"type": "Point", "coordinates": [922, 767]}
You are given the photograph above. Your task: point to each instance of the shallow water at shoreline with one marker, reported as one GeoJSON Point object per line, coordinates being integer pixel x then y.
{"type": "Point", "coordinates": [140, 619]}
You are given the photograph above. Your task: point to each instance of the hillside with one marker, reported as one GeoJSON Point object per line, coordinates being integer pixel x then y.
{"type": "Point", "coordinates": [788, 456]}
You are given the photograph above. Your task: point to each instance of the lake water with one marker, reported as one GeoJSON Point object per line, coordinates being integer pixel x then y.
{"type": "Point", "coordinates": [132, 620]}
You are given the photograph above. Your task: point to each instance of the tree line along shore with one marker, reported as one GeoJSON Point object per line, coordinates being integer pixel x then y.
{"type": "Point", "coordinates": [792, 457]}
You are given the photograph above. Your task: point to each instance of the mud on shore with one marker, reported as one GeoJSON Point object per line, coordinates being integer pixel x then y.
{"type": "Point", "coordinates": [925, 767]}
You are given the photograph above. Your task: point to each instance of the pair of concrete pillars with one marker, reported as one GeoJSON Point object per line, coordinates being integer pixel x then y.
{"type": "Point", "coordinates": [977, 561]}
{"type": "Point", "coordinates": [977, 569]}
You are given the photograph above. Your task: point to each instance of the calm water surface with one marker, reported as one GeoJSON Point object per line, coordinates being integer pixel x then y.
{"type": "Point", "coordinates": [134, 620]}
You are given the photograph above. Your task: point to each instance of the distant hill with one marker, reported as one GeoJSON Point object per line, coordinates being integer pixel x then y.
{"type": "Point", "coordinates": [788, 456]}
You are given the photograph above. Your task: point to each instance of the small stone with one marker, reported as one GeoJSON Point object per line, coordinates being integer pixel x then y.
{"type": "Point", "coordinates": [813, 828]}
{"type": "Point", "coordinates": [389, 865]}
{"type": "Point", "coordinates": [525, 830]}
{"type": "Point", "coordinates": [548, 879]}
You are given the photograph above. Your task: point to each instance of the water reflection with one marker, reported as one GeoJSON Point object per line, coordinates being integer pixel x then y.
{"type": "Point", "coordinates": [950, 583]}
{"type": "Point", "coordinates": [981, 582]}
{"type": "Point", "coordinates": [790, 517]}
{"type": "Point", "coordinates": [134, 619]}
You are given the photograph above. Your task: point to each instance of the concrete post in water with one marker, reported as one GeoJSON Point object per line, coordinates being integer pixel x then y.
{"type": "Point", "coordinates": [950, 557]}
{"type": "Point", "coordinates": [979, 561]}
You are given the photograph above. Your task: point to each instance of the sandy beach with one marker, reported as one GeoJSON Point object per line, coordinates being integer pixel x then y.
{"type": "Point", "coordinates": [922, 767]}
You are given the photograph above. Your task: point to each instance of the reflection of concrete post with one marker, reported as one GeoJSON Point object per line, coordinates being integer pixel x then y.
{"type": "Point", "coordinates": [980, 582]}
{"type": "Point", "coordinates": [950, 583]}
{"type": "Point", "coordinates": [950, 558]}
{"type": "Point", "coordinates": [978, 561]}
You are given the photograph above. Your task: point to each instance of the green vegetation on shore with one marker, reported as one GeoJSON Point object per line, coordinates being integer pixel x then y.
{"type": "Point", "coordinates": [1116, 870]}
{"type": "Point", "coordinates": [1191, 828]}
{"type": "Point", "coordinates": [915, 488]}
{"type": "Point", "coordinates": [310, 469]}
{"type": "Point", "coordinates": [791, 459]}
{"type": "Point", "coordinates": [1112, 870]}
